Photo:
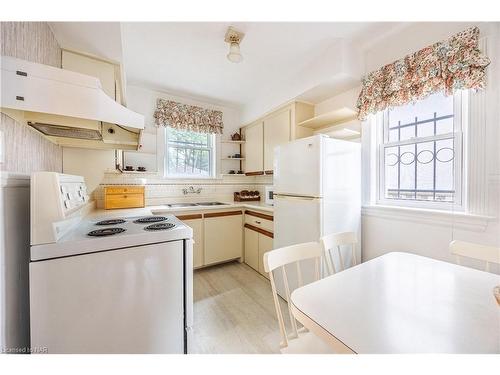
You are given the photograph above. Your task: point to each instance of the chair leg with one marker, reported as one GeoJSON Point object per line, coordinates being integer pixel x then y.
{"type": "Point", "coordinates": [281, 323]}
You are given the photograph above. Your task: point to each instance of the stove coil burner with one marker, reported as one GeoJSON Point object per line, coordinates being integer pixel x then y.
{"type": "Point", "coordinates": [159, 226]}
{"type": "Point", "coordinates": [105, 232]}
{"type": "Point", "coordinates": [150, 219]}
{"type": "Point", "coordinates": [110, 222]}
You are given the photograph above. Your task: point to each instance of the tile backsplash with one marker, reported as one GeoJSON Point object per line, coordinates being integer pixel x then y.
{"type": "Point", "coordinates": [159, 191]}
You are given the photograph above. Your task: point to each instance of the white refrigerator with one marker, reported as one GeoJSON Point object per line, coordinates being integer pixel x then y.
{"type": "Point", "coordinates": [317, 191]}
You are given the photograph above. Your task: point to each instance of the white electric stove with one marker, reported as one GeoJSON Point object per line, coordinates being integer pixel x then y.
{"type": "Point", "coordinates": [119, 285]}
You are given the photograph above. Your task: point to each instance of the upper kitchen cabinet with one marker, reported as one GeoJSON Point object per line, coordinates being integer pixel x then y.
{"type": "Point", "coordinates": [274, 129]}
{"type": "Point", "coordinates": [276, 132]}
{"type": "Point", "coordinates": [253, 148]}
{"type": "Point", "coordinates": [108, 73]}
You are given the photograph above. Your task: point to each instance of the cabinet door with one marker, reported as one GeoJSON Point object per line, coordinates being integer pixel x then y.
{"type": "Point", "coordinates": [265, 245]}
{"type": "Point", "coordinates": [223, 236]}
{"type": "Point", "coordinates": [276, 132]}
{"type": "Point", "coordinates": [252, 248]}
{"type": "Point", "coordinates": [197, 226]}
{"type": "Point", "coordinates": [102, 70]}
{"type": "Point", "coordinates": [254, 148]}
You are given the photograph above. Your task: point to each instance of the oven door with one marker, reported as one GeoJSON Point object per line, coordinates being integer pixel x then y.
{"type": "Point", "coordinates": [119, 301]}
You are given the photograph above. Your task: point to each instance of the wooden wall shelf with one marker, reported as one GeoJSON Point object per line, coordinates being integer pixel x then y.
{"type": "Point", "coordinates": [337, 116]}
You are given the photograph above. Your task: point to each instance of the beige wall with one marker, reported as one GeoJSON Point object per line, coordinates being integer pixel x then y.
{"type": "Point", "coordinates": [91, 164]}
{"type": "Point", "coordinates": [25, 150]}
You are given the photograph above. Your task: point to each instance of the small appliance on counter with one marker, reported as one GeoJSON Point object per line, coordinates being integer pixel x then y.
{"type": "Point", "coordinates": [246, 196]}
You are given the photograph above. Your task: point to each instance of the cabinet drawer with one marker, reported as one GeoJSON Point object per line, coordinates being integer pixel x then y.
{"type": "Point", "coordinates": [124, 189]}
{"type": "Point", "coordinates": [259, 221]}
{"type": "Point", "coordinates": [123, 201]}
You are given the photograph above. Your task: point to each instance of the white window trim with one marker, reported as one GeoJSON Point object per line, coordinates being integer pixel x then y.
{"type": "Point", "coordinates": [458, 220]}
{"type": "Point", "coordinates": [162, 155]}
{"type": "Point", "coordinates": [478, 178]}
{"type": "Point", "coordinates": [460, 115]}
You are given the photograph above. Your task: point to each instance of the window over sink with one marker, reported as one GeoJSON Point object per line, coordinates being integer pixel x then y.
{"type": "Point", "coordinates": [420, 153]}
{"type": "Point", "coordinates": [189, 154]}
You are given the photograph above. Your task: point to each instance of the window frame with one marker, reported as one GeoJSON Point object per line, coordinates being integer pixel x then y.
{"type": "Point", "coordinates": [212, 149]}
{"type": "Point", "coordinates": [460, 107]}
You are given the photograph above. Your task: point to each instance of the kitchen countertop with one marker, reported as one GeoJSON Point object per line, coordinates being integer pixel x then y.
{"type": "Point", "coordinates": [164, 209]}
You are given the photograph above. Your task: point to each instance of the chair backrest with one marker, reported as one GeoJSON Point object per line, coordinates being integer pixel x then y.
{"type": "Point", "coordinates": [334, 242]}
{"type": "Point", "coordinates": [487, 254]}
{"type": "Point", "coordinates": [279, 258]}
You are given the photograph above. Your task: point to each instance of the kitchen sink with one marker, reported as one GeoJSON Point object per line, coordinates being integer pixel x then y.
{"type": "Point", "coordinates": [177, 205]}
{"type": "Point", "coordinates": [180, 205]}
{"type": "Point", "coordinates": [211, 204]}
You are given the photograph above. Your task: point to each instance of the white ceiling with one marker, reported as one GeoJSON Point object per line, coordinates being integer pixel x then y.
{"type": "Point", "coordinates": [282, 61]}
{"type": "Point", "coordinates": [191, 57]}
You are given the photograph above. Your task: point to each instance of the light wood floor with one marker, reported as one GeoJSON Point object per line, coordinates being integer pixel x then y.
{"type": "Point", "coordinates": [234, 311]}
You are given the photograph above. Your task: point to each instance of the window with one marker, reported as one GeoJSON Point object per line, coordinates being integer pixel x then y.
{"type": "Point", "coordinates": [420, 155]}
{"type": "Point", "coordinates": [189, 154]}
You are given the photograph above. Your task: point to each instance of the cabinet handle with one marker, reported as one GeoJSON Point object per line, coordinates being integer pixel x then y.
{"type": "Point", "coordinates": [257, 221]}
{"type": "Point", "coordinates": [124, 196]}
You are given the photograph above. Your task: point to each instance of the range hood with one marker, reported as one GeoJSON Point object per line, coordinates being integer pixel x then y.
{"type": "Point", "coordinates": [69, 108]}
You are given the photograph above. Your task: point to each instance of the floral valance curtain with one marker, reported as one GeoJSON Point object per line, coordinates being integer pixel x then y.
{"type": "Point", "coordinates": [188, 117]}
{"type": "Point", "coordinates": [453, 64]}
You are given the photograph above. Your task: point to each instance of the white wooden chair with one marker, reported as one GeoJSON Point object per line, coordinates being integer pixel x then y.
{"type": "Point", "coordinates": [306, 342]}
{"type": "Point", "coordinates": [334, 242]}
{"type": "Point", "coordinates": [487, 254]}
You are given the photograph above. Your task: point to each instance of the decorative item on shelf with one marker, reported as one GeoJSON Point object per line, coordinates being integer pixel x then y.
{"type": "Point", "coordinates": [246, 196]}
{"type": "Point", "coordinates": [240, 172]}
{"type": "Point", "coordinates": [231, 172]}
{"type": "Point", "coordinates": [230, 156]}
{"type": "Point", "coordinates": [141, 169]}
{"type": "Point", "coordinates": [236, 137]}
{"type": "Point", "coordinates": [129, 168]}
{"type": "Point", "coordinates": [237, 156]}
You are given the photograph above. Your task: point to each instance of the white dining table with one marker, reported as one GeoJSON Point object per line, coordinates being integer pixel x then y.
{"type": "Point", "coordinates": [403, 303]}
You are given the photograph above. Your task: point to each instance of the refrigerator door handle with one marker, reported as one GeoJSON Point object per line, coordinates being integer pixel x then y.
{"type": "Point", "coordinates": [295, 197]}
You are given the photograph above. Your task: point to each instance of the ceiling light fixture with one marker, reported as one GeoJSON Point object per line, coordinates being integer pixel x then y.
{"type": "Point", "coordinates": [234, 38]}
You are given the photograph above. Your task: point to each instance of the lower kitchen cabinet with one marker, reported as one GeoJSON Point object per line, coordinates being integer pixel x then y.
{"type": "Point", "coordinates": [223, 232]}
{"type": "Point", "coordinates": [196, 223]}
{"type": "Point", "coordinates": [222, 236]}
{"type": "Point", "coordinates": [252, 248]}
{"type": "Point", "coordinates": [265, 245]}
{"type": "Point", "coordinates": [198, 253]}
{"type": "Point", "coordinates": [257, 243]}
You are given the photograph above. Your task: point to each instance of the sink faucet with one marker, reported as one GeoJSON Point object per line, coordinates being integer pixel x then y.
{"type": "Point", "coordinates": [191, 190]}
